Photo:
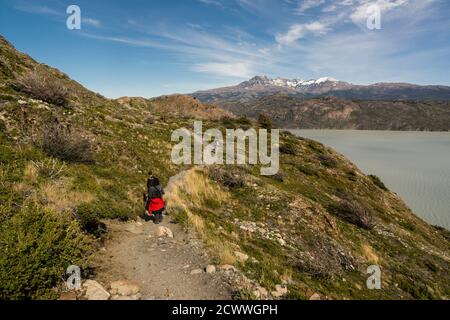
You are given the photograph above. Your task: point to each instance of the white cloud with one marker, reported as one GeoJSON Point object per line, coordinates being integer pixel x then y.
{"type": "Point", "coordinates": [38, 9]}
{"type": "Point", "coordinates": [211, 2]}
{"type": "Point", "coordinates": [298, 31]}
{"type": "Point", "coordinates": [305, 5]}
{"type": "Point", "coordinates": [91, 22]}
{"type": "Point", "coordinates": [233, 69]}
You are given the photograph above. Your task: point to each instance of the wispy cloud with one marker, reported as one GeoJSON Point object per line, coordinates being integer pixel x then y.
{"type": "Point", "coordinates": [305, 5]}
{"type": "Point", "coordinates": [37, 9]}
{"type": "Point", "coordinates": [298, 31]}
{"type": "Point", "coordinates": [204, 52]}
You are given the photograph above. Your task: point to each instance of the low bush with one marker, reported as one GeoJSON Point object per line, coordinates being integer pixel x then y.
{"type": "Point", "coordinates": [265, 121]}
{"type": "Point", "coordinates": [229, 178]}
{"type": "Point", "coordinates": [308, 170]}
{"type": "Point", "coordinates": [60, 142]}
{"type": "Point", "coordinates": [377, 181]}
{"type": "Point", "coordinates": [41, 85]}
{"type": "Point", "coordinates": [288, 147]}
{"type": "Point", "coordinates": [355, 213]}
{"type": "Point", "coordinates": [327, 161]}
{"type": "Point", "coordinates": [324, 257]}
{"type": "Point", "coordinates": [37, 245]}
{"type": "Point", "coordinates": [89, 217]}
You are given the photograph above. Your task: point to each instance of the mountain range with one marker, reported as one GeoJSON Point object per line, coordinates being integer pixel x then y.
{"type": "Point", "coordinates": [327, 103]}
{"type": "Point", "coordinates": [261, 86]}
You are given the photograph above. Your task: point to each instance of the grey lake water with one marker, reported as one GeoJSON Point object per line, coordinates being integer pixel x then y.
{"type": "Point", "coordinates": [415, 165]}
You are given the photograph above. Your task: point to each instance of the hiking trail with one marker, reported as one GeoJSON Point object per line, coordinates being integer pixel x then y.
{"type": "Point", "coordinates": [160, 267]}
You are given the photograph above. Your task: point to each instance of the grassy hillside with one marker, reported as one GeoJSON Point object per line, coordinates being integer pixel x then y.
{"type": "Point", "coordinates": [69, 157]}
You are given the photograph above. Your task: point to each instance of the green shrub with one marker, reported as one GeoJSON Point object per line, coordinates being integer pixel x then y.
{"type": "Point", "coordinates": [309, 170]}
{"type": "Point", "coordinates": [377, 181]}
{"type": "Point", "coordinates": [37, 245]}
{"type": "Point", "coordinates": [327, 161]}
{"type": "Point", "coordinates": [244, 122]}
{"type": "Point", "coordinates": [2, 127]}
{"type": "Point", "coordinates": [39, 84]}
{"type": "Point", "coordinates": [288, 147]}
{"type": "Point", "coordinates": [88, 216]}
{"type": "Point", "coordinates": [265, 121]}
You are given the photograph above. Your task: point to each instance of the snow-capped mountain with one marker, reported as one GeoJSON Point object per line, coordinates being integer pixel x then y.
{"type": "Point", "coordinates": [286, 83]}
{"type": "Point", "coordinates": [262, 86]}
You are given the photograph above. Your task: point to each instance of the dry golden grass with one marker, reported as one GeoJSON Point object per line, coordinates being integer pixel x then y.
{"type": "Point", "coordinates": [370, 254]}
{"type": "Point", "coordinates": [21, 187]}
{"type": "Point", "coordinates": [30, 173]}
{"type": "Point", "coordinates": [59, 196]}
{"type": "Point", "coordinates": [189, 193]}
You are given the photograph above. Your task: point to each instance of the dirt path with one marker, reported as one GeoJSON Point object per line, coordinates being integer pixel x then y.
{"type": "Point", "coordinates": [163, 267]}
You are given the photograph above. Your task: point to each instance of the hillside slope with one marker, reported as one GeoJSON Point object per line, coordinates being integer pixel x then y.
{"type": "Point", "coordinates": [70, 158]}
{"type": "Point", "coordinates": [337, 113]}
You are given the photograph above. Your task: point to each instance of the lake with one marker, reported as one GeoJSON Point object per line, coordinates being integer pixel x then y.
{"type": "Point", "coordinates": [415, 165]}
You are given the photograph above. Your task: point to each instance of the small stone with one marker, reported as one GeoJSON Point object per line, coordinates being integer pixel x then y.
{"type": "Point", "coordinates": [124, 288]}
{"type": "Point", "coordinates": [227, 267]}
{"type": "Point", "coordinates": [164, 232]}
{"type": "Point", "coordinates": [261, 292]}
{"type": "Point", "coordinates": [95, 291]}
{"type": "Point", "coordinates": [279, 292]}
{"type": "Point", "coordinates": [210, 269]}
{"type": "Point", "coordinates": [281, 241]}
{"type": "Point", "coordinates": [196, 271]}
{"type": "Point", "coordinates": [242, 257]}
{"type": "Point", "coordinates": [315, 296]}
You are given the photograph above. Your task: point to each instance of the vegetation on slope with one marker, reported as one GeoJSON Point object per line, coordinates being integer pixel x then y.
{"type": "Point", "coordinates": [337, 113]}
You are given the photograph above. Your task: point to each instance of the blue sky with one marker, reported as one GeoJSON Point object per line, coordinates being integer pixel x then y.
{"type": "Point", "coordinates": [148, 48]}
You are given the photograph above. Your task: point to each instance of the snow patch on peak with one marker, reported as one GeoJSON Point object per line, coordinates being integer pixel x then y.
{"type": "Point", "coordinates": [288, 83]}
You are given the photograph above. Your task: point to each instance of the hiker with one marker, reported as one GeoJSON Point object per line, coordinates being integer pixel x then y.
{"type": "Point", "coordinates": [149, 181]}
{"type": "Point", "coordinates": [154, 202]}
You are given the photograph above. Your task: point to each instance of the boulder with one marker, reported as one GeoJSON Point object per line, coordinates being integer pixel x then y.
{"type": "Point", "coordinates": [95, 291]}
{"type": "Point", "coordinates": [124, 288]}
{"type": "Point", "coordinates": [164, 232]}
